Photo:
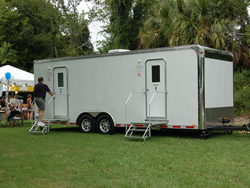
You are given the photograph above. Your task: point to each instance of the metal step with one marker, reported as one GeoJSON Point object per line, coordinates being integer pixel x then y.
{"type": "Point", "coordinates": [159, 119]}
{"type": "Point", "coordinates": [63, 118]}
{"type": "Point", "coordinates": [151, 122]}
{"type": "Point", "coordinates": [35, 127]}
{"type": "Point", "coordinates": [137, 137]}
{"type": "Point", "coordinates": [41, 132]}
{"type": "Point", "coordinates": [56, 120]}
{"type": "Point", "coordinates": [139, 123]}
{"type": "Point", "coordinates": [138, 130]}
{"type": "Point", "coordinates": [146, 132]}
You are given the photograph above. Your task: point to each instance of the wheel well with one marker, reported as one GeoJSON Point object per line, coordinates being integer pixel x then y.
{"type": "Point", "coordinates": [102, 113]}
{"type": "Point", "coordinates": [78, 118]}
{"type": "Point", "coordinates": [95, 115]}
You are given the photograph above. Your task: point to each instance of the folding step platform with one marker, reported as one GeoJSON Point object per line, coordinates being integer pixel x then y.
{"type": "Point", "coordinates": [142, 133]}
{"type": "Point", "coordinates": [138, 133]}
{"type": "Point", "coordinates": [39, 128]}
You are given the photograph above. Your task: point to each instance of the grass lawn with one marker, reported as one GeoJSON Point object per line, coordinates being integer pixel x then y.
{"type": "Point", "coordinates": [64, 157]}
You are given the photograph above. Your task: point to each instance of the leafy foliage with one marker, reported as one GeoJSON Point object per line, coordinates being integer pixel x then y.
{"type": "Point", "coordinates": [219, 24]}
{"type": "Point", "coordinates": [7, 54]}
{"type": "Point", "coordinates": [39, 29]}
{"type": "Point", "coordinates": [123, 21]}
{"type": "Point", "coordinates": [242, 92]}
{"type": "Point", "coordinates": [138, 24]}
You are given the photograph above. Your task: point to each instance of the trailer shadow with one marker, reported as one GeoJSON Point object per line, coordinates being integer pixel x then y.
{"type": "Point", "coordinates": [64, 129]}
{"type": "Point", "coordinates": [155, 132]}
{"type": "Point", "coordinates": [183, 133]}
{"type": "Point", "coordinates": [177, 133]}
{"type": "Point", "coordinates": [193, 134]}
{"type": "Point", "coordinates": [169, 133]}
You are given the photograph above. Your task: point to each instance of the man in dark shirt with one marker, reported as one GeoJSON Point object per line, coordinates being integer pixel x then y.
{"type": "Point", "coordinates": [39, 98]}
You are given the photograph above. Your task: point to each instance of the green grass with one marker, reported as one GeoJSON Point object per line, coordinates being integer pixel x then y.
{"type": "Point", "coordinates": [65, 157]}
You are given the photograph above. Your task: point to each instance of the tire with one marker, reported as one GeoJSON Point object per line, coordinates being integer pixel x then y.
{"type": "Point", "coordinates": [230, 132]}
{"type": "Point", "coordinates": [105, 125]}
{"type": "Point", "coordinates": [87, 123]}
{"type": "Point", "coordinates": [205, 134]}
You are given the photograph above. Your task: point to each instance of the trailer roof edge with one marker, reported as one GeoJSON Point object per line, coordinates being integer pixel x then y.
{"type": "Point", "coordinates": [195, 47]}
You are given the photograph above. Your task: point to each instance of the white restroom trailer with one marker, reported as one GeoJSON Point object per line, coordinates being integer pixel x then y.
{"type": "Point", "coordinates": [186, 87]}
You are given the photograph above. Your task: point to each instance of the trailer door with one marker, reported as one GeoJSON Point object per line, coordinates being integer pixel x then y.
{"type": "Point", "coordinates": [156, 88]}
{"type": "Point", "coordinates": [61, 91]}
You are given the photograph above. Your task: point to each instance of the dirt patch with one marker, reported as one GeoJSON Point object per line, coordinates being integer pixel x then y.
{"type": "Point", "coordinates": [240, 120]}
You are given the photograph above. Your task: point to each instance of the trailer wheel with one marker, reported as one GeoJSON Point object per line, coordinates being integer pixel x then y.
{"type": "Point", "coordinates": [87, 123]}
{"type": "Point", "coordinates": [105, 125]}
{"type": "Point", "coordinates": [230, 132]}
{"type": "Point", "coordinates": [205, 134]}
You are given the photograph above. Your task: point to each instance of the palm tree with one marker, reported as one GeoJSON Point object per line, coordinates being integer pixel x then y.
{"type": "Point", "coordinates": [211, 23]}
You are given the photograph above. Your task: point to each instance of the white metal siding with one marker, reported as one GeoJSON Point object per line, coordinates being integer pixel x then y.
{"type": "Point", "coordinates": [104, 83]}
{"type": "Point", "coordinates": [218, 83]}
{"type": "Point", "coordinates": [182, 79]}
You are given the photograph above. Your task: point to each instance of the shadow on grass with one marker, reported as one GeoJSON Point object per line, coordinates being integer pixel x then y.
{"type": "Point", "coordinates": [154, 133]}
{"type": "Point", "coordinates": [168, 133]}
{"type": "Point", "coordinates": [64, 129]}
{"type": "Point", "coordinates": [190, 134]}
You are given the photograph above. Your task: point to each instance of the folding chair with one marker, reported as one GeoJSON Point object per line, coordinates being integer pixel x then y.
{"type": "Point", "coordinates": [17, 121]}
{"type": "Point", "coordinates": [2, 118]}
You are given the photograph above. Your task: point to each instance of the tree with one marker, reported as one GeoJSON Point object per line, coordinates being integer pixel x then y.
{"type": "Point", "coordinates": [7, 54]}
{"type": "Point", "coordinates": [214, 23]}
{"type": "Point", "coordinates": [74, 29]}
{"type": "Point", "coordinates": [124, 18]}
{"type": "Point", "coordinates": [39, 29]}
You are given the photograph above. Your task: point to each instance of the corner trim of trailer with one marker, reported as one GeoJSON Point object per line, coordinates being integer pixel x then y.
{"type": "Point", "coordinates": [202, 53]}
{"type": "Point", "coordinates": [201, 88]}
{"type": "Point", "coordinates": [221, 55]}
{"type": "Point", "coordinates": [213, 53]}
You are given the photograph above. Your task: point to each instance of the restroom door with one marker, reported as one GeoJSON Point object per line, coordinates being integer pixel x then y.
{"type": "Point", "coordinates": [156, 85]}
{"type": "Point", "coordinates": [61, 91]}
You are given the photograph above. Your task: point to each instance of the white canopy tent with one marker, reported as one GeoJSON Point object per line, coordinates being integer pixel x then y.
{"type": "Point", "coordinates": [20, 80]}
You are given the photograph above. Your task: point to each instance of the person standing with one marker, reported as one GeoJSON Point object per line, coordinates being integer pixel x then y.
{"type": "Point", "coordinates": [2, 102]}
{"type": "Point", "coordinates": [3, 105]}
{"type": "Point", "coordinates": [40, 91]}
{"type": "Point", "coordinates": [29, 106]}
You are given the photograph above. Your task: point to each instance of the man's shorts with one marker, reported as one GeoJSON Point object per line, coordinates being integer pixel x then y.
{"type": "Point", "coordinates": [40, 103]}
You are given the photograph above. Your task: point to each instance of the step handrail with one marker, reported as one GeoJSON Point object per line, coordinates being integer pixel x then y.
{"type": "Point", "coordinates": [126, 134]}
{"type": "Point", "coordinates": [126, 103]}
{"type": "Point", "coordinates": [148, 129]}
